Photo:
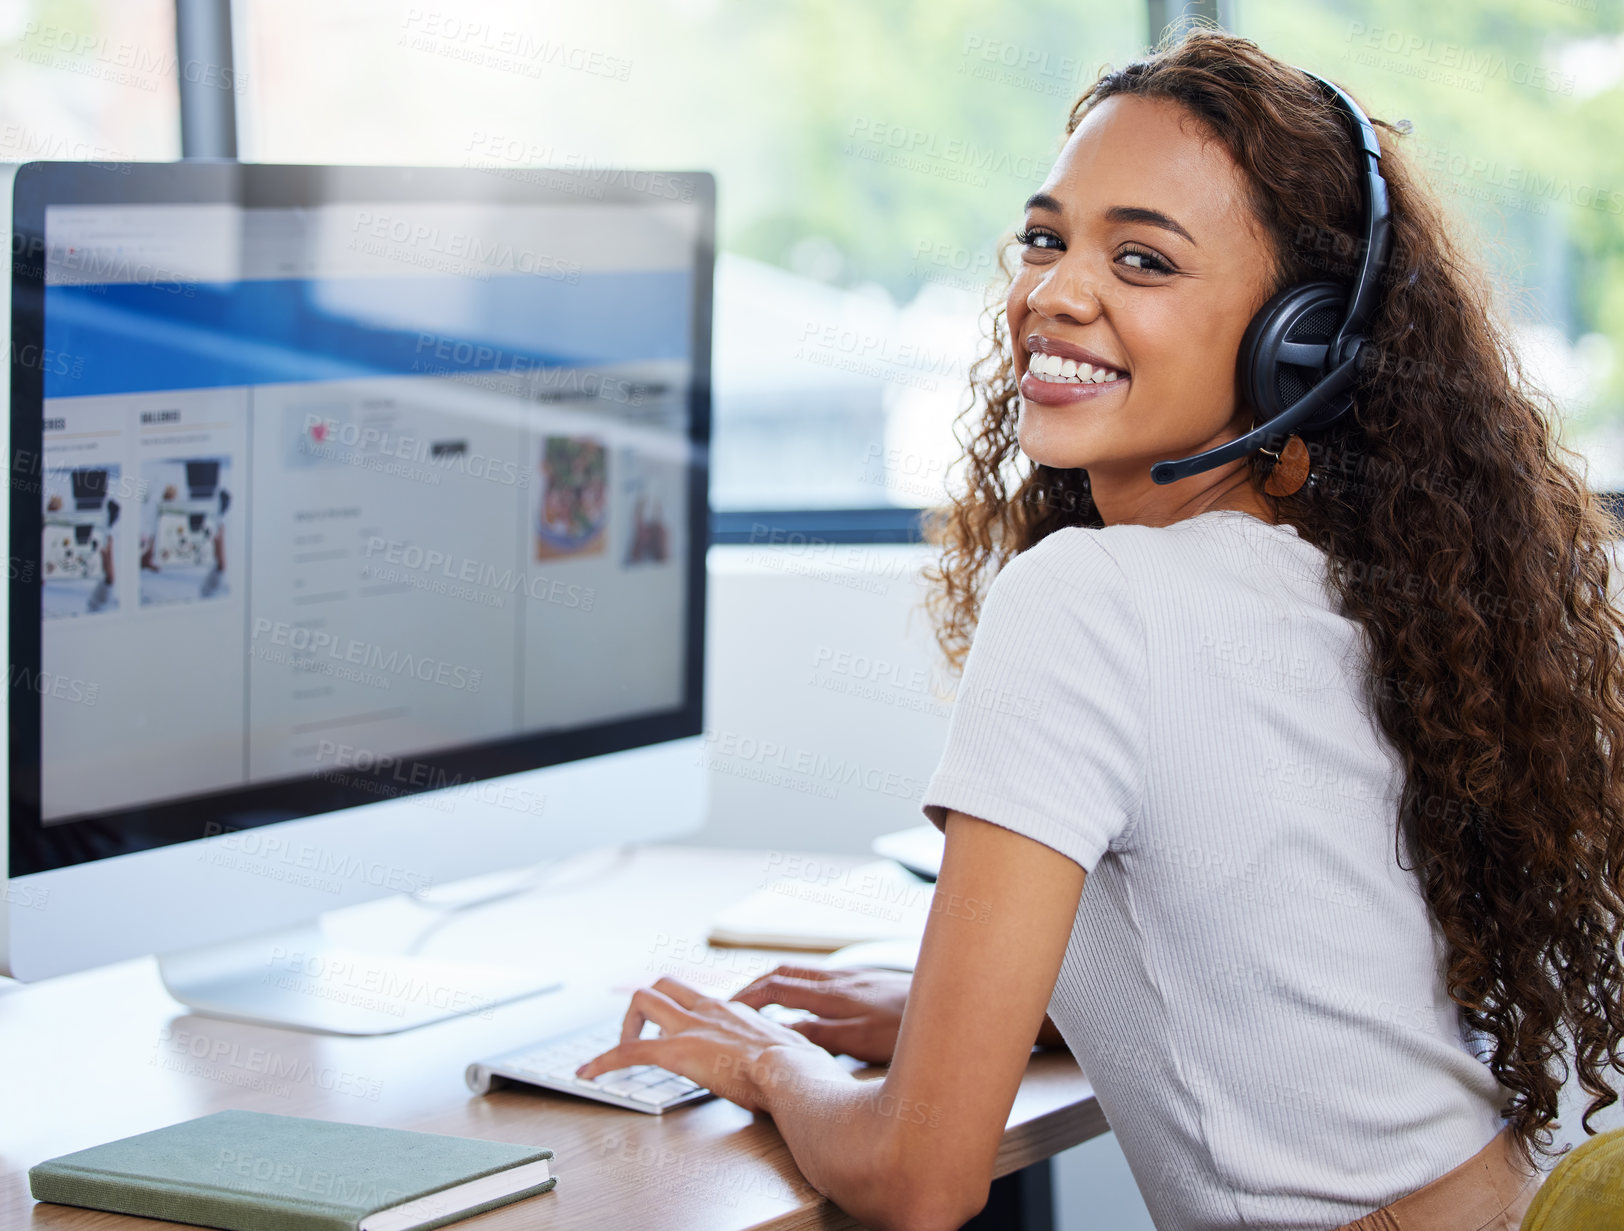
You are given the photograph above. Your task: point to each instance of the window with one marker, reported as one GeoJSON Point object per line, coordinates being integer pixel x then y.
{"type": "Point", "coordinates": [869, 156]}
{"type": "Point", "coordinates": [1518, 122]}
{"type": "Point", "coordinates": [88, 82]}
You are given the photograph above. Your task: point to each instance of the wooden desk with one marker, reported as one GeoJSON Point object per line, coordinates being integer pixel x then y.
{"type": "Point", "coordinates": [93, 1057]}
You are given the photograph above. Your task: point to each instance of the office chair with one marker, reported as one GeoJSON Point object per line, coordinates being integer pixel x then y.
{"type": "Point", "coordinates": [1585, 1192]}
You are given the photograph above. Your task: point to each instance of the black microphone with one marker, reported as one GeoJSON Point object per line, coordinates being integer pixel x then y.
{"type": "Point", "coordinates": [1336, 383]}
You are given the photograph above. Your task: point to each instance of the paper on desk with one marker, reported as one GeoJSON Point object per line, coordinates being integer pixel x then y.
{"type": "Point", "coordinates": [826, 910]}
{"type": "Point", "coordinates": [918, 849]}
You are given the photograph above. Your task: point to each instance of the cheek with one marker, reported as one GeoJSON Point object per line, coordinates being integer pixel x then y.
{"type": "Point", "coordinates": [1015, 309]}
{"type": "Point", "coordinates": [1185, 346]}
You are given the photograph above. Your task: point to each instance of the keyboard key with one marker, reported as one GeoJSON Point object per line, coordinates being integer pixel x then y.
{"type": "Point", "coordinates": [662, 1093]}
{"type": "Point", "coordinates": [552, 1064]}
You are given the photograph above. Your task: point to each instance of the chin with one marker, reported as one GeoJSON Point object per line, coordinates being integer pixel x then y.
{"type": "Point", "coordinates": [1057, 450]}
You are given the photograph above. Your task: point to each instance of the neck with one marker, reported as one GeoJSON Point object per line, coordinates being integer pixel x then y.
{"type": "Point", "coordinates": [1124, 499]}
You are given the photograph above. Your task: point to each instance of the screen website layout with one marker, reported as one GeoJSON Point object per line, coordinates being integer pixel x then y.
{"type": "Point", "coordinates": [327, 486]}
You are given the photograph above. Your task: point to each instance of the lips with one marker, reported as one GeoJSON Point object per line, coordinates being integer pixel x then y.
{"type": "Point", "coordinates": [1059, 373]}
{"type": "Point", "coordinates": [1037, 344]}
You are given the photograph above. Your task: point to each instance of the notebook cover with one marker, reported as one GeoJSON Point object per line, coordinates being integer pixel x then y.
{"type": "Point", "coordinates": [249, 1171]}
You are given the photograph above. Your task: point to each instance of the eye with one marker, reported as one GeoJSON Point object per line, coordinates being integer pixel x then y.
{"type": "Point", "coordinates": [1039, 239]}
{"type": "Point", "coordinates": [1143, 261]}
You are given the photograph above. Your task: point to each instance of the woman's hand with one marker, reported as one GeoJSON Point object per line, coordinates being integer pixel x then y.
{"type": "Point", "coordinates": [858, 1011]}
{"type": "Point", "coordinates": [723, 1045]}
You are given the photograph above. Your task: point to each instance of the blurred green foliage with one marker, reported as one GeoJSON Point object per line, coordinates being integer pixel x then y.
{"type": "Point", "coordinates": [1518, 114]}
{"type": "Point", "coordinates": [890, 141]}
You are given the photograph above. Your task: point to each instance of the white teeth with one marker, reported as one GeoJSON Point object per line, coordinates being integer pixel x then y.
{"type": "Point", "coordinates": [1056, 370]}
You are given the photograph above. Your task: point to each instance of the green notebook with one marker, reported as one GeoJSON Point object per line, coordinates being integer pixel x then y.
{"type": "Point", "coordinates": [247, 1171]}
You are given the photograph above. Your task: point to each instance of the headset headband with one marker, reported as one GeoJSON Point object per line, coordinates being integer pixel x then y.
{"type": "Point", "coordinates": [1378, 218]}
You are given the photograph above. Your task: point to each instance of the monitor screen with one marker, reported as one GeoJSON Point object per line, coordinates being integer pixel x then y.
{"type": "Point", "coordinates": [350, 483]}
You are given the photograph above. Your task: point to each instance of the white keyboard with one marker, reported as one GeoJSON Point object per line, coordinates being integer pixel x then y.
{"type": "Point", "coordinates": [551, 1064]}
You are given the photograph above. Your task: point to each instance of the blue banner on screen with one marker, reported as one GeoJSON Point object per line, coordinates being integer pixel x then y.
{"type": "Point", "coordinates": [196, 336]}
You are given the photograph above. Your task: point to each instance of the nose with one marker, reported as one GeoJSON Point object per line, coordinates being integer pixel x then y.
{"type": "Point", "coordinates": [1064, 296]}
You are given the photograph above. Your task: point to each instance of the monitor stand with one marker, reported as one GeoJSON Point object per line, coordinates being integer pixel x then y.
{"type": "Point", "coordinates": [298, 978]}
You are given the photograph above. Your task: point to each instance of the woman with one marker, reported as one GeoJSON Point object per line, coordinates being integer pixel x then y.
{"type": "Point", "coordinates": [1308, 834]}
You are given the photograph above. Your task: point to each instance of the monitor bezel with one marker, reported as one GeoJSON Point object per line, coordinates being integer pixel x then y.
{"type": "Point", "coordinates": [38, 847]}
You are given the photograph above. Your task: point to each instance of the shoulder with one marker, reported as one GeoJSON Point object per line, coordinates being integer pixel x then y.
{"type": "Point", "coordinates": [1080, 563]}
{"type": "Point", "coordinates": [1097, 556]}
{"type": "Point", "coordinates": [1076, 556]}
{"type": "Point", "coordinates": [1131, 576]}
{"type": "Point", "coordinates": [1069, 581]}
{"type": "Point", "coordinates": [1157, 564]}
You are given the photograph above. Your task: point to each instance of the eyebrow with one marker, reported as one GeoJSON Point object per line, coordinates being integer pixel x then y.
{"type": "Point", "coordinates": [1117, 213]}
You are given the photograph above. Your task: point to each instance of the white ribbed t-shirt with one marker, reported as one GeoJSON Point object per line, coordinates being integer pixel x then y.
{"type": "Point", "coordinates": [1253, 983]}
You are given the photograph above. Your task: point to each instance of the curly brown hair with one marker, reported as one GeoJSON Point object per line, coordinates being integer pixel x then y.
{"type": "Point", "coordinates": [1461, 537]}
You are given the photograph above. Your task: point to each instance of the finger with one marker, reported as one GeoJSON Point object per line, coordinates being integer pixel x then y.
{"type": "Point", "coordinates": [801, 994]}
{"type": "Point", "coordinates": [649, 1005]}
{"type": "Point", "coordinates": [678, 991]}
{"type": "Point", "coordinates": [860, 1038]}
{"type": "Point", "coordinates": [624, 1056]}
{"type": "Point", "coordinates": [795, 972]}
{"type": "Point", "coordinates": [810, 972]}
{"type": "Point", "coordinates": [767, 991]}
{"type": "Point", "coordinates": [832, 1036]}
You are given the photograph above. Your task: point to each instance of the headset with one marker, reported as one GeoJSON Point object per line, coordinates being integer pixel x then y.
{"type": "Point", "coordinates": [1299, 358]}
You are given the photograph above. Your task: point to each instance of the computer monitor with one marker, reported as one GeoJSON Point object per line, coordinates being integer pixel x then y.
{"type": "Point", "coordinates": [358, 521]}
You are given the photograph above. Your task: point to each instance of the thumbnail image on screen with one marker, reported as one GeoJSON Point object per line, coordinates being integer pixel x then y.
{"type": "Point", "coordinates": [652, 487]}
{"type": "Point", "coordinates": [183, 530]}
{"type": "Point", "coordinates": [76, 548]}
{"type": "Point", "coordinates": [574, 500]}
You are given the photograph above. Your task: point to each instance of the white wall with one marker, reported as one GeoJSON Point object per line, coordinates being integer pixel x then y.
{"type": "Point", "coordinates": [821, 713]}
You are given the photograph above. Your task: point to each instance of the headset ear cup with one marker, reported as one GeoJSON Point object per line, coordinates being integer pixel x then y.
{"type": "Point", "coordinates": [1308, 314]}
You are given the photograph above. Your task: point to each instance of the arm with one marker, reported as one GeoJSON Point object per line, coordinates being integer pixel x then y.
{"type": "Point", "coordinates": [918, 1150]}
{"type": "Point", "coordinates": [915, 1149]}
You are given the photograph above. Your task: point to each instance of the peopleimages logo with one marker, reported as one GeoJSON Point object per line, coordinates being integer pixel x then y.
{"type": "Point", "coordinates": [419, 775]}
{"type": "Point", "coordinates": [477, 251]}
{"type": "Point", "coordinates": [276, 856]}
{"type": "Point", "coordinates": [724, 749]}
{"type": "Point", "coordinates": [419, 456]}
{"type": "Point", "coordinates": [390, 660]}
{"type": "Point", "coordinates": [505, 579]}
{"type": "Point", "coordinates": [1452, 63]}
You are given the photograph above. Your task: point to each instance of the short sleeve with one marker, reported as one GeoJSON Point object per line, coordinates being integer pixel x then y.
{"type": "Point", "coordinates": [1048, 735]}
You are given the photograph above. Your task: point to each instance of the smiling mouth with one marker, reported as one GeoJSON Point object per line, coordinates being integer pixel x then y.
{"type": "Point", "coordinates": [1056, 371]}
{"type": "Point", "coordinates": [1052, 369]}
